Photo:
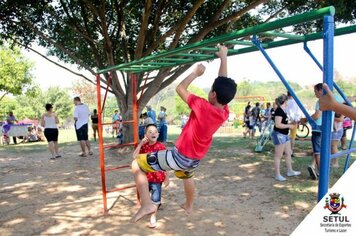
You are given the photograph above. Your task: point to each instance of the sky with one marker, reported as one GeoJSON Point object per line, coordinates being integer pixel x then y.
{"type": "Point", "coordinates": [292, 61]}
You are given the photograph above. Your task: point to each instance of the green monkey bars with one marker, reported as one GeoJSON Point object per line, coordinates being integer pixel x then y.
{"type": "Point", "coordinates": [201, 51]}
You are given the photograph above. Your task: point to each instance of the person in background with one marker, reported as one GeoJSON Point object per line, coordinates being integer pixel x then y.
{"type": "Point", "coordinates": [267, 111]}
{"type": "Point", "coordinates": [151, 113]}
{"type": "Point", "coordinates": [94, 123]}
{"type": "Point", "coordinates": [347, 124]}
{"type": "Point", "coordinates": [294, 114]}
{"type": "Point", "coordinates": [281, 139]}
{"type": "Point", "coordinates": [248, 128]}
{"type": "Point", "coordinates": [81, 118]}
{"type": "Point", "coordinates": [116, 119]}
{"type": "Point", "coordinates": [11, 119]}
{"type": "Point", "coordinates": [163, 130]}
{"type": "Point", "coordinates": [146, 119]}
{"type": "Point", "coordinates": [49, 121]}
{"type": "Point", "coordinates": [336, 137]}
{"type": "Point", "coordinates": [255, 119]}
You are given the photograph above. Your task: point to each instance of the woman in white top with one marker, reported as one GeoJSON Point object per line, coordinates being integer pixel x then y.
{"type": "Point", "coordinates": [49, 121]}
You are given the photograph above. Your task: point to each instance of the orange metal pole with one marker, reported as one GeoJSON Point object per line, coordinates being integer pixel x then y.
{"type": "Point", "coordinates": [101, 145]}
{"type": "Point", "coordinates": [134, 106]}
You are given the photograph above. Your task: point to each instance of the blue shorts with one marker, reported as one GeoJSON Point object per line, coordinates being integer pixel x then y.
{"type": "Point", "coordinates": [278, 138]}
{"type": "Point", "coordinates": [156, 191]}
{"type": "Point", "coordinates": [336, 135]}
{"type": "Point", "coordinates": [316, 142]}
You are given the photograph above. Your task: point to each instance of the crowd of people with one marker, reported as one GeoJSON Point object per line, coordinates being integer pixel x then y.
{"type": "Point", "coordinates": [287, 116]}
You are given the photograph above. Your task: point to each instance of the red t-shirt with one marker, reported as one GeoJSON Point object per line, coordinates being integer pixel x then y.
{"type": "Point", "coordinates": [204, 120]}
{"type": "Point", "coordinates": [158, 176]}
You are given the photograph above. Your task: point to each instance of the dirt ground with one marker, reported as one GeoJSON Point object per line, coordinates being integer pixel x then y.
{"type": "Point", "coordinates": [39, 196]}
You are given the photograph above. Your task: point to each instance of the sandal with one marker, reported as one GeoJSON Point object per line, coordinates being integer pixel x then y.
{"type": "Point", "coordinates": [58, 156]}
{"type": "Point", "coordinates": [82, 155]}
{"type": "Point", "coordinates": [91, 153]}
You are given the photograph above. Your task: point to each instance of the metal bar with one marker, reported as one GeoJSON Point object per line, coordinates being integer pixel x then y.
{"type": "Point", "coordinates": [347, 162]}
{"type": "Point", "coordinates": [305, 17]}
{"type": "Point", "coordinates": [345, 152]}
{"type": "Point", "coordinates": [135, 108]}
{"type": "Point", "coordinates": [174, 59]}
{"type": "Point", "coordinates": [328, 73]}
{"type": "Point", "coordinates": [118, 167]}
{"type": "Point", "coordinates": [155, 63]}
{"type": "Point", "coordinates": [106, 91]}
{"type": "Point", "coordinates": [122, 122]}
{"type": "Point", "coordinates": [342, 94]}
{"type": "Point", "coordinates": [143, 88]}
{"type": "Point", "coordinates": [239, 42]}
{"type": "Point", "coordinates": [119, 145]}
{"type": "Point", "coordinates": [279, 43]}
{"type": "Point", "coordinates": [307, 50]}
{"type": "Point", "coordinates": [193, 55]}
{"type": "Point", "coordinates": [231, 52]}
{"type": "Point", "coordinates": [284, 35]}
{"type": "Point", "coordinates": [285, 82]}
{"type": "Point", "coordinates": [338, 89]}
{"type": "Point", "coordinates": [101, 147]}
{"type": "Point", "coordinates": [121, 188]}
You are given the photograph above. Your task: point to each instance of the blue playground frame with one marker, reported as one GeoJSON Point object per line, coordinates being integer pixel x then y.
{"type": "Point", "coordinates": [327, 116]}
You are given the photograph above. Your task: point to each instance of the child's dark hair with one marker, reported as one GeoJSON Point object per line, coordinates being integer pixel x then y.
{"type": "Point", "coordinates": [149, 125]}
{"type": "Point", "coordinates": [225, 89]}
{"type": "Point", "coordinates": [48, 106]}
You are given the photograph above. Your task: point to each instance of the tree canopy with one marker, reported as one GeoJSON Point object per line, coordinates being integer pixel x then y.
{"type": "Point", "coordinates": [15, 72]}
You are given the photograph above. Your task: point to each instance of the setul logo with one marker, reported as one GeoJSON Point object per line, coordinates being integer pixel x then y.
{"type": "Point", "coordinates": [335, 222]}
{"type": "Point", "coordinates": [334, 205]}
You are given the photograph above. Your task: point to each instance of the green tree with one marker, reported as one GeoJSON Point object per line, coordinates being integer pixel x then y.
{"type": "Point", "coordinates": [34, 106]}
{"type": "Point", "coordinates": [61, 100]}
{"type": "Point", "coordinates": [14, 72]}
{"type": "Point", "coordinates": [181, 106]}
{"type": "Point", "coordinates": [7, 104]}
{"type": "Point", "coordinates": [102, 33]}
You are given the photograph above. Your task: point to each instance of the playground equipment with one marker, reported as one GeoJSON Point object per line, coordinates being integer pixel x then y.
{"type": "Point", "coordinates": [265, 136]}
{"type": "Point", "coordinates": [134, 121]}
{"type": "Point", "coordinates": [204, 50]}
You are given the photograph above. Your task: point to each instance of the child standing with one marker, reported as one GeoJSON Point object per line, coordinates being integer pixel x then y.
{"type": "Point", "coordinates": [194, 141]}
{"type": "Point", "coordinates": [150, 144]}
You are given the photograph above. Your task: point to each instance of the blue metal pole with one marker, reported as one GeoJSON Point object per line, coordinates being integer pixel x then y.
{"type": "Point", "coordinates": [257, 43]}
{"type": "Point", "coordinates": [328, 73]}
{"type": "Point", "coordinates": [347, 162]}
{"type": "Point", "coordinates": [342, 94]}
{"type": "Point", "coordinates": [338, 89]}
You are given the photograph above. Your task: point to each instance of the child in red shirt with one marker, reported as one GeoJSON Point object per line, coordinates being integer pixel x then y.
{"type": "Point", "coordinates": [195, 140]}
{"type": "Point", "coordinates": [155, 179]}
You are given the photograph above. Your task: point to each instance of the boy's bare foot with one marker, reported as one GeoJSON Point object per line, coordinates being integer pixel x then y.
{"type": "Point", "coordinates": [188, 210]}
{"type": "Point", "coordinates": [142, 212]}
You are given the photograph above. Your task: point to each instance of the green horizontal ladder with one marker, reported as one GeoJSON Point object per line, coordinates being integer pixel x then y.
{"type": "Point", "coordinates": [203, 50]}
